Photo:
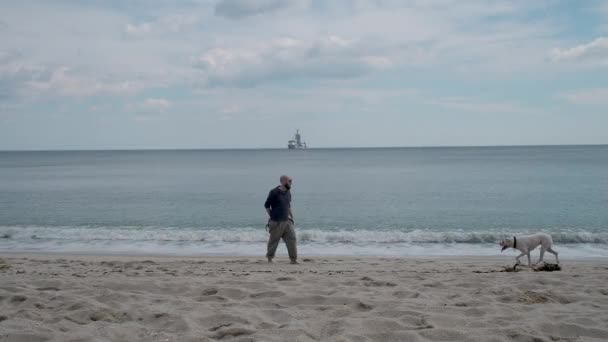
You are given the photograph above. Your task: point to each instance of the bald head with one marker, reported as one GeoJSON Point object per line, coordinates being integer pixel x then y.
{"type": "Point", "coordinates": [286, 181]}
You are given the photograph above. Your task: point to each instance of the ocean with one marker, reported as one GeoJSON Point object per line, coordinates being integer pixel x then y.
{"type": "Point", "coordinates": [375, 201]}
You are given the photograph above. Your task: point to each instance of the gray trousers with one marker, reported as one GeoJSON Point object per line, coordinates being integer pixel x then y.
{"type": "Point", "coordinates": [282, 230]}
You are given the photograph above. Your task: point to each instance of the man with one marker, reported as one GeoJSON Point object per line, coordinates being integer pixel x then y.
{"type": "Point", "coordinates": [281, 221]}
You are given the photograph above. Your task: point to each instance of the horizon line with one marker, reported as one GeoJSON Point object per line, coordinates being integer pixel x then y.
{"type": "Point", "coordinates": [281, 148]}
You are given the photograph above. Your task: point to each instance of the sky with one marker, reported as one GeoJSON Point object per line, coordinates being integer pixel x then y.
{"type": "Point", "coordinates": [146, 74]}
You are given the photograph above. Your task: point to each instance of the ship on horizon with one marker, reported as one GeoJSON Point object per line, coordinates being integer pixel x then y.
{"type": "Point", "coordinates": [296, 143]}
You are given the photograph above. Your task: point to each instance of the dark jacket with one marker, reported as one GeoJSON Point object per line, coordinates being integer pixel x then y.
{"type": "Point", "coordinates": [278, 202]}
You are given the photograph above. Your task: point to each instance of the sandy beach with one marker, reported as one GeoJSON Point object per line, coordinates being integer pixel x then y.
{"type": "Point", "coordinates": [110, 298]}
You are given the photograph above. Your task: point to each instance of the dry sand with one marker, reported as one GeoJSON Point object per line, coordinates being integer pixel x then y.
{"type": "Point", "coordinates": [86, 298]}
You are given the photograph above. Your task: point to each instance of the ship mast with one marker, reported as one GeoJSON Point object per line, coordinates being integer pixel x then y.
{"type": "Point", "coordinates": [298, 138]}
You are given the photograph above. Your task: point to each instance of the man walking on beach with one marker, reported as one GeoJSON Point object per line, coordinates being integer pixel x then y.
{"type": "Point", "coordinates": [281, 222]}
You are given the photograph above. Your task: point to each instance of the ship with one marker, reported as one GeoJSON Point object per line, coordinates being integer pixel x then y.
{"type": "Point", "coordinates": [296, 143]}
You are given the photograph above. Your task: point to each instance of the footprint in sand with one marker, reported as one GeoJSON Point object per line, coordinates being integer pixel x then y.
{"type": "Point", "coordinates": [231, 333]}
{"type": "Point", "coordinates": [50, 288]}
{"type": "Point", "coordinates": [375, 283]}
{"type": "Point", "coordinates": [18, 299]}
{"type": "Point", "coordinates": [381, 325]}
{"type": "Point", "coordinates": [267, 294]}
{"type": "Point", "coordinates": [25, 337]}
{"type": "Point", "coordinates": [235, 294]}
{"type": "Point", "coordinates": [364, 307]}
{"type": "Point", "coordinates": [406, 294]}
{"type": "Point", "coordinates": [209, 292]}
{"type": "Point", "coordinates": [285, 279]}
{"type": "Point", "coordinates": [332, 329]}
{"type": "Point", "coordinates": [106, 315]}
{"type": "Point", "coordinates": [216, 322]}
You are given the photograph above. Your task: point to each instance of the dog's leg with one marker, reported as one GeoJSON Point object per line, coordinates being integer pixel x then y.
{"type": "Point", "coordinates": [529, 261]}
{"type": "Point", "coordinates": [517, 262]}
{"type": "Point", "coordinates": [542, 254]}
{"type": "Point", "coordinates": [550, 250]}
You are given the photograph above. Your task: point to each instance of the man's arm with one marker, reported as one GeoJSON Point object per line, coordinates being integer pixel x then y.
{"type": "Point", "coordinates": [291, 217]}
{"type": "Point", "coordinates": [268, 203]}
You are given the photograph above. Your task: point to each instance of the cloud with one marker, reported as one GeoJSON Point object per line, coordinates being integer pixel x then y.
{"type": "Point", "coordinates": [156, 104]}
{"type": "Point", "coordinates": [235, 9]}
{"type": "Point", "coordinates": [330, 40]}
{"type": "Point", "coordinates": [178, 44]}
{"type": "Point", "coordinates": [20, 78]}
{"type": "Point", "coordinates": [173, 23]}
{"type": "Point", "coordinates": [12, 75]}
{"type": "Point", "coordinates": [61, 81]}
{"type": "Point", "coordinates": [595, 96]}
{"type": "Point", "coordinates": [149, 110]}
{"type": "Point", "coordinates": [138, 29]}
{"type": "Point", "coordinates": [595, 51]}
{"type": "Point", "coordinates": [327, 57]}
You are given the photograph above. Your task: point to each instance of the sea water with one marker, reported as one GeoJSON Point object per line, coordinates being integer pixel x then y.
{"type": "Point", "coordinates": [385, 201]}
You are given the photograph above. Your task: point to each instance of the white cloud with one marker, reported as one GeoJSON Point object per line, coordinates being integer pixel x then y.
{"type": "Point", "coordinates": [149, 110]}
{"type": "Point", "coordinates": [328, 41]}
{"type": "Point", "coordinates": [156, 104]}
{"type": "Point", "coordinates": [595, 51]}
{"type": "Point", "coordinates": [134, 29]}
{"type": "Point", "coordinates": [327, 57]}
{"type": "Point", "coordinates": [167, 24]}
{"type": "Point", "coordinates": [20, 78]}
{"type": "Point", "coordinates": [595, 96]}
{"type": "Point", "coordinates": [61, 81]}
{"type": "Point", "coordinates": [235, 9]}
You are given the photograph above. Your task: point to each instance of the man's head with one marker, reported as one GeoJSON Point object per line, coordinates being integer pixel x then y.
{"type": "Point", "coordinates": [286, 181]}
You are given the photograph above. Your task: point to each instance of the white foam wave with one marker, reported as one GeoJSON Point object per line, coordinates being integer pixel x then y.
{"type": "Point", "coordinates": [249, 234]}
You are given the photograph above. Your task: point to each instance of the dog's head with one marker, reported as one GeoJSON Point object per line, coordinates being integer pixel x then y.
{"type": "Point", "coordinates": [505, 244]}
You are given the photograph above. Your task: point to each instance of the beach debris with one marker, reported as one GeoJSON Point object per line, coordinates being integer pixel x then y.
{"type": "Point", "coordinates": [511, 269]}
{"type": "Point", "coordinates": [547, 268]}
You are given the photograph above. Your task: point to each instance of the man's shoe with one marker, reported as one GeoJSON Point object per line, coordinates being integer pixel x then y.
{"type": "Point", "coordinates": [294, 262]}
{"type": "Point", "coordinates": [269, 260]}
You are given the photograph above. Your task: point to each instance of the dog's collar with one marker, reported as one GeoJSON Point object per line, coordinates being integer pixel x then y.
{"type": "Point", "coordinates": [514, 242]}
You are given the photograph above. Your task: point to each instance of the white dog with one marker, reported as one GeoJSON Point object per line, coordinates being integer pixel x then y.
{"type": "Point", "coordinates": [527, 243]}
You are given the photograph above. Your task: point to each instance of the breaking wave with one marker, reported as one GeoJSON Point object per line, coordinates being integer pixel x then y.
{"type": "Point", "coordinates": [254, 235]}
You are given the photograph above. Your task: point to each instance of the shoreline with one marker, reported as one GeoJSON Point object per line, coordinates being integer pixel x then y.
{"type": "Point", "coordinates": [60, 297]}
{"type": "Point", "coordinates": [468, 258]}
